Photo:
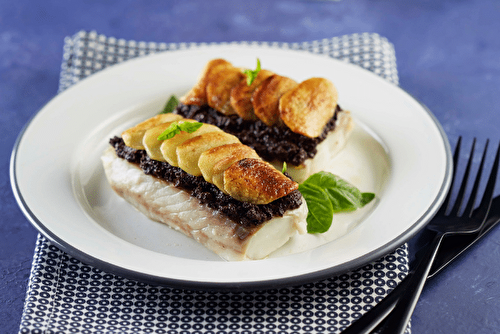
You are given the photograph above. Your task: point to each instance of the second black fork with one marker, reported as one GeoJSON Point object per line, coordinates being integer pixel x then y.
{"type": "Point", "coordinates": [407, 295]}
{"type": "Point", "coordinates": [444, 224]}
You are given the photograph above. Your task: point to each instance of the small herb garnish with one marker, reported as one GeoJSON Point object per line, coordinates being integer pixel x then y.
{"type": "Point", "coordinates": [283, 170]}
{"type": "Point", "coordinates": [326, 194]}
{"type": "Point", "coordinates": [252, 74]}
{"type": "Point", "coordinates": [176, 128]}
{"type": "Point", "coordinates": [172, 102]}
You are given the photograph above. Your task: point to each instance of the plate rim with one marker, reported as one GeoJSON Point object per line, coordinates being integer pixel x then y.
{"type": "Point", "coordinates": [240, 285]}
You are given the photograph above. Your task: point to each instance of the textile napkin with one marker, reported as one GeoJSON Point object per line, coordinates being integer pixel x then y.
{"type": "Point", "coordinates": [65, 295]}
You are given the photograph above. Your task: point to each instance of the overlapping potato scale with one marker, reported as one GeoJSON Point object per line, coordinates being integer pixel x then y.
{"type": "Point", "coordinates": [214, 154]}
{"type": "Point", "coordinates": [305, 107]}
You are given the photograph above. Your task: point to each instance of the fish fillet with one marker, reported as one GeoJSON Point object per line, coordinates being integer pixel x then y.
{"type": "Point", "coordinates": [163, 202]}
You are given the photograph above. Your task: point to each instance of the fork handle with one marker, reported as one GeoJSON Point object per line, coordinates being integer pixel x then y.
{"type": "Point", "coordinates": [379, 312]}
{"type": "Point", "coordinates": [398, 319]}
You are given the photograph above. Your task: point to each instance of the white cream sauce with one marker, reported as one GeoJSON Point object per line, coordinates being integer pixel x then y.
{"type": "Point", "coordinates": [364, 163]}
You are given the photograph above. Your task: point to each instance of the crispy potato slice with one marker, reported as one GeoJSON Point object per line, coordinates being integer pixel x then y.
{"type": "Point", "coordinates": [241, 95]}
{"type": "Point", "coordinates": [308, 107]}
{"type": "Point", "coordinates": [217, 159]}
{"type": "Point", "coordinates": [152, 144]}
{"type": "Point", "coordinates": [219, 85]}
{"type": "Point", "coordinates": [133, 136]}
{"type": "Point", "coordinates": [198, 94]}
{"type": "Point", "coordinates": [220, 168]}
{"type": "Point", "coordinates": [256, 181]}
{"type": "Point", "coordinates": [265, 98]}
{"type": "Point", "coordinates": [188, 153]}
{"type": "Point", "coordinates": [168, 147]}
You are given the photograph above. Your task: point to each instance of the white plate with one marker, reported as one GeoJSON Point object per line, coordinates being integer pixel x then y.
{"type": "Point", "coordinates": [59, 182]}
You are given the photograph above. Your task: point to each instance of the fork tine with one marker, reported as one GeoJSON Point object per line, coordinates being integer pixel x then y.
{"type": "Point", "coordinates": [463, 186]}
{"type": "Point", "coordinates": [456, 155]}
{"type": "Point", "coordinates": [484, 206]}
{"type": "Point", "coordinates": [475, 188]}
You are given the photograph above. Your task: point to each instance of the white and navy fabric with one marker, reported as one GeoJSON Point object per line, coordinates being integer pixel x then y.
{"type": "Point", "coordinates": [67, 296]}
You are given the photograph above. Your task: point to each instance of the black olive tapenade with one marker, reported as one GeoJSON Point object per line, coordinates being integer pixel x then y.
{"type": "Point", "coordinates": [271, 143]}
{"type": "Point", "coordinates": [246, 214]}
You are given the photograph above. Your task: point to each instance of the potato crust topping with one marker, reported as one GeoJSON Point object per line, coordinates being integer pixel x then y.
{"type": "Point", "coordinates": [255, 181]}
{"type": "Point", "coordinates": [210, 152]}
{"type": "Point", "coordinates": [305, 108]}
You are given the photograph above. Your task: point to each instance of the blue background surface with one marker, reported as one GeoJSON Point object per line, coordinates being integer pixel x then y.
{"type": "Point", "coordinates": [448, 55]}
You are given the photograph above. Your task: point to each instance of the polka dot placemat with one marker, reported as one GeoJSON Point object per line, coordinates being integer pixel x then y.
{"type": "Point", "coordinates": [67, 296]}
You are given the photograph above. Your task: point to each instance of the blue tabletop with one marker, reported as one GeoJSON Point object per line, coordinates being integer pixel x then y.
{"type": "Point", "coordinates": [448, 56]}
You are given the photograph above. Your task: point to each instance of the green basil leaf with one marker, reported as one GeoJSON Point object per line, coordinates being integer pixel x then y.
{"type": "Point", "coordinates": [170, 132]}
{"type": "Point", "coordinates": [190, 126]}
{"type": "Point", "coordinates": [367, 198]}
{"type": "Point", "coordinates": [285, 167]}
{"type": "Point", "coordinates": [252, 74]}
{"type": "Point", "coordinates": [320, 214]}
{"type": "Point", "coordinates": [342, 196]}
{"type": "Point", "coordinates": [172, 102]}
{"type": "Point", "coordinates": [176, 128]}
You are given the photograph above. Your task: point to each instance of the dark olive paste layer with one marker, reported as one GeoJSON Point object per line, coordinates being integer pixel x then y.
{"type": "Point", "coordinates": [246, 214]}
{"type": "Point", "coordinates": [270, 142]}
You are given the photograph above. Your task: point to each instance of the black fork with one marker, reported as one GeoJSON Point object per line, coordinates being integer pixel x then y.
{"type": "Point", "coordinates": [443, 224]}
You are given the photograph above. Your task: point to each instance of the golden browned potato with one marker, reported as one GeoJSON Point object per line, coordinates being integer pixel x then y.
{"type": "Point", "coordinates": [169, 146]}
{"type": "Point", "coordinates": [241, 95]}
{"type": "Point", "coordinates": [215, 161]}
{"type": "Point", "coordinates": [307, 108]}
{"type": "Point", "coordinates": [151, 142]}
{"type": "Point", "coordinates": [219, 85]}
{"type": "Point", "coordinates": [256, 181]}
{"type": "Point", "coordinates": [188, 153]}
{"type": "Point", "coordinates": [133, 136]}
{"type": "Point", "coordinates": [265, 98]}
{"type": "Point", "coordinates": [198, 94]}
{"type": "Point", "coordinates": [211, 157]}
